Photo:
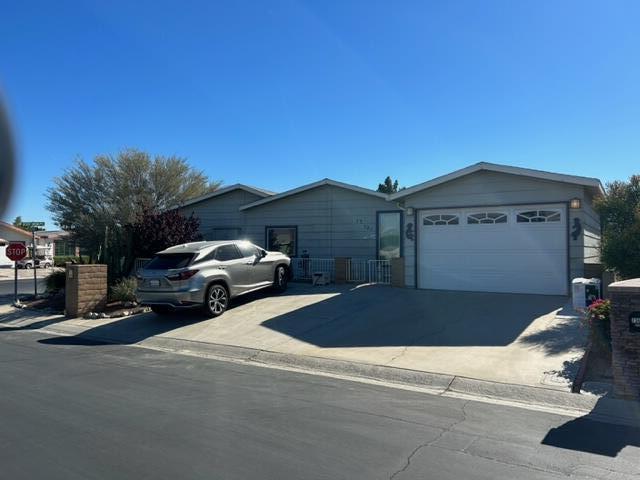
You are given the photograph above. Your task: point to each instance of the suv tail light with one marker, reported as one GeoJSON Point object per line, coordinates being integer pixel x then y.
{"type": "Point", "coordinates": [186, 275]}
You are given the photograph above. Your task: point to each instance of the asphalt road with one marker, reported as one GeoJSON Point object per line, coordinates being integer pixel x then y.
{"type": "Point", "coordinates": [25, 285]}
{"type": "Point", "coordinates": [70, 409]}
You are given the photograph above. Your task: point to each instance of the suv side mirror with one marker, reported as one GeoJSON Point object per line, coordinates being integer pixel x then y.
{"type": "Point", "coordinates": [263, 253]}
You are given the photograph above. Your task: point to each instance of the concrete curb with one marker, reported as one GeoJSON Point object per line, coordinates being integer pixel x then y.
{"type": "Point", "coordinates": [435, 383]}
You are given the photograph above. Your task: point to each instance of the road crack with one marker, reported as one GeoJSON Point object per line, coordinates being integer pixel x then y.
{"type": "Point", "coordinates": [432, 442]}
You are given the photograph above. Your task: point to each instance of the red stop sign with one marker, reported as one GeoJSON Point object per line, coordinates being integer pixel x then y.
{"type": "Point", "coordinates": [16, 251]}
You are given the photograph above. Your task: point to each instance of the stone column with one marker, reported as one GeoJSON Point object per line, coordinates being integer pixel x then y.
{"type": "Point", "coordinates": [625, 338]}
{"type": "Point", "coordinates": [342, 265]}
{"type": "Point", "coordinates": [397, 272]}
{"type": "Point", "coordinates": [85, 289]}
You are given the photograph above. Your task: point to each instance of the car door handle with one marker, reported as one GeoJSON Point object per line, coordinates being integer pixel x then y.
{"type": "Point", "coordinates": [249, 263]}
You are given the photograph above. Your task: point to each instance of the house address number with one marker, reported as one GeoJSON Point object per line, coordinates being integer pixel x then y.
{"type": "Point", "coordinates": [634, 322]}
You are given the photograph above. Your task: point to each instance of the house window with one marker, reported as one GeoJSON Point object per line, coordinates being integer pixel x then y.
{"type": "Point", "coordinates": [389, 236]}
{"type": "Point", "coordinates": [441, 219]}
{"type": "Point", "coordinates": [64, 248]}
{"type": "Point", "coordinates": [486, 218]}
{"type": "Point", "coordinates": [283, 239]}
{"type": "Point", "coordinates": [538, 216]}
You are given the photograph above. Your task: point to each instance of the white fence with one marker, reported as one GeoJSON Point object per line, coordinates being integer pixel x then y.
{"type": "Point", "coordinates": [304, 268]}
{"type": "Point", "coordinates": [379, 271]}
{"type": "Point", "coordinates": [358, 270]}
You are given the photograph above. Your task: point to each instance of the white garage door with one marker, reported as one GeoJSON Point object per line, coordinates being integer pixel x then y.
{"type": "Point", "coordinates": [517, 249]}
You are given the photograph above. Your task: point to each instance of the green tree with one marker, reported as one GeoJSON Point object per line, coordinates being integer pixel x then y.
{"type": "Point", "coordinates": [389, 186]}
{"type": "Point", "coordinates": [619, 211]}
{"type": "Point", "coordinates": [17, 222]}
{"type": "Point", "coordinates": [95, 202]}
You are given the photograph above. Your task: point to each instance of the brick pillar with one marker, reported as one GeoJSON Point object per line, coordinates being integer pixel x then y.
{"type": "Point", "coordinates": [397, 272]}
{"type": "Point", "coordinates": [625, 338]}
{"type": "Point", "coordinates": [86, 289]}
{"type": "Point", "coordinates": [342, 264]}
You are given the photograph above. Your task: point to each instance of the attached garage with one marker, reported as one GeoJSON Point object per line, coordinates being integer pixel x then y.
{"type": "Point", "coordinates": [515, 249]}
{"type": "Point", "coordinates": [498, 228]}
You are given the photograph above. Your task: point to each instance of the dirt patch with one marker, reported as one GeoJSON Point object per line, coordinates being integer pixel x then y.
{"type": "Point", "coordinates": [51, 302]}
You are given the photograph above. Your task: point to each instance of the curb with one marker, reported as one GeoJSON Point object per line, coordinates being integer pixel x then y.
{"type": "Point", "coordinates": [433, 383]}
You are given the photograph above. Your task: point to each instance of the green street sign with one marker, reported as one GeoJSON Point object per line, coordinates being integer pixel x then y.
{"type": "Point", "coordinates": [33, 226]}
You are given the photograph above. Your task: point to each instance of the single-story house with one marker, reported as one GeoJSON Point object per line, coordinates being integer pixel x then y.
{"type": "Point", "coordinates": [56, 243]}
{"type": "Point", "coordinates": [486, 227]}
{"type": "Point", "coordinates": [10, 233]}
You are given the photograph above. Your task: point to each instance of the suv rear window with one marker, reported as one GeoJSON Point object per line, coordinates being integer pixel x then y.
{"type": "Point", "coordinates": [168, 261]}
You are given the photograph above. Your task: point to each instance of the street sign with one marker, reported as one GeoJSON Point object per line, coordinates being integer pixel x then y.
{"type": "Point", "coordinates": [32, 226]}
{"type": "Point", "coordinates": [16, 251]}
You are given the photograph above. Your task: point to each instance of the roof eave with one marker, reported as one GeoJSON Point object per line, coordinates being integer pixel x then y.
{"type": "Point", "coordinates": [221, 191]}
{"type": "Point", "coordinates": [311, 186]}
{"type": "Point", "coordinates": [492, 167]}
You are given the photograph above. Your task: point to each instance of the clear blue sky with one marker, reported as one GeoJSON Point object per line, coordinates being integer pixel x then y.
{"type": "Point", "coordinates": [280, 93]}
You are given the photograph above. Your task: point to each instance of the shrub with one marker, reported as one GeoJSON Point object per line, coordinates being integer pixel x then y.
{"type": "Point", "coordinates": [124, 290]}
{"type": "Point", "coordinates": [56, 281]}
{"type": "Point", "coordinates": [59, 261]}
{"type": "Point", "coordinates": [597, 319]}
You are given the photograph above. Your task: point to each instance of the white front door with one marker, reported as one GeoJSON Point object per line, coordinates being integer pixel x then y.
{"type": "Point", "coordinates": [512, 249]}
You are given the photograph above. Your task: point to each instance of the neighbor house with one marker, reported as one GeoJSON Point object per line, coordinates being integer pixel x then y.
{"type": "Point", "coordinates": [487, 227]}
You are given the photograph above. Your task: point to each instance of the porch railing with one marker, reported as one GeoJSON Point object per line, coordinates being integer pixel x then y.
{"type": "Point", "coordinates": [357, 270]}
{"type": "Point", "coordinates": [304, 268]}
{"type": "Point", "coordinates": [379, 271]}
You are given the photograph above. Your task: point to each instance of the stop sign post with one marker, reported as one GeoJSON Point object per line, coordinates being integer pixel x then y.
{"type": "Point", "coordinates": [16, 251]}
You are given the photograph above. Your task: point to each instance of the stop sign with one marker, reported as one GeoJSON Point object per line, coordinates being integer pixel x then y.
{"type": "Point", "coordinates": [16, 251]}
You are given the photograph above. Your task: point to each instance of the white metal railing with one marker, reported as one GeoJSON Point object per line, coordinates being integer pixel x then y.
{"type": "Point", "coordinates": [304, 268]}
{"type": "Point", "coordinates": [357, 271]}
{"type": "Point", "coordinates": [140, 263]}
{"type": "Point", "coordinates": [379, 271]}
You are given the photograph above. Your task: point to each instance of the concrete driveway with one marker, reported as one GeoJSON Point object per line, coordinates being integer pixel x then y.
{"type": "Point", "coordinates": [520, 339]}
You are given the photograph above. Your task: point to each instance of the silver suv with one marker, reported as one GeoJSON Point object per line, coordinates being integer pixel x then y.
{"type": "Point", "coordinates": [209, 274]}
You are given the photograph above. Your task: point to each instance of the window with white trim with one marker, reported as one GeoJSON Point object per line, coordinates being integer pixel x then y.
{"type": "Point", "coordinates": [440, 219]}
{"type": "Point", "coordinates": [538, 216]}
{"type": "Point", "coordinates": [486, 218]}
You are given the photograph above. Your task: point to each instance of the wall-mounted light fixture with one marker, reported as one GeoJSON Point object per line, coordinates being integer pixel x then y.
{"type": "Point", "coordinates": [575, 203]}
{"type": "Point", "coordinates": [409, 211]}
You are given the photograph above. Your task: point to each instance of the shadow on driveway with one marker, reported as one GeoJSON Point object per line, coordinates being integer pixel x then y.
{"type": "Point", "coordinates": [379, 316]}
{"type": "Point", "coordinates": [368, 316]}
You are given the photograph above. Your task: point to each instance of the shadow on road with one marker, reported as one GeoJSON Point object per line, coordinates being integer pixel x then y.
{"type": "Point", "coordinates": [128, 330]}
{"type": "Point", "coordinates": [590, 435]}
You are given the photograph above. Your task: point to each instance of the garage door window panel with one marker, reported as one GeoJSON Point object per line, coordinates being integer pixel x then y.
{"type": "Point", "coordinates": [486, 218]}
{"type": "Point", "coordinates": [538, 216]}
{"type": "Point", "coordinates": [440, 219]}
